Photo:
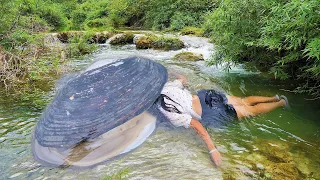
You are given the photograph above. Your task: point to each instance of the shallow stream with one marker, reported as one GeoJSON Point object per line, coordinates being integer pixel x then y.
{"type": "Point", "coordinates": [283, 144]}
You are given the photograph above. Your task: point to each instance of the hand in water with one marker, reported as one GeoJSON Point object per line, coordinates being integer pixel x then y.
{"type": "Point", "coordinates": [216, 158]}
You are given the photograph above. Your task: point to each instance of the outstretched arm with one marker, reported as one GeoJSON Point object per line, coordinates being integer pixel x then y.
{"type": "Point", "coordinates": [214, 153]}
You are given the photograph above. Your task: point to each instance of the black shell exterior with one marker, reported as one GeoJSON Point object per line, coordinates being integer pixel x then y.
{"type": "Point", "coordinates": [100, 99]}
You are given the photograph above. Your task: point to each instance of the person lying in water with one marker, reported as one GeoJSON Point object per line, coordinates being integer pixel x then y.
{"type": "Point", "coordinates": [184, 109]}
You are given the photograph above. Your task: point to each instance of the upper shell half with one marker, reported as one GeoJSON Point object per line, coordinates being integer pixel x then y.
{"type": "Point", "coordinates": [99, 100]}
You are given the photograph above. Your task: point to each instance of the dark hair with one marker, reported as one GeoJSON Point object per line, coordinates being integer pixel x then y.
{"type": "Point", "coordinates": [168, 107]}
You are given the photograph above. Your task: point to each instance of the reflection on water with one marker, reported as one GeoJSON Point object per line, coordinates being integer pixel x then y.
{"type": "Point", "coordinates": [280, 144]}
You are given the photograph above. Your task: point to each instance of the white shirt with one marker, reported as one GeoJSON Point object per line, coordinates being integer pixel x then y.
{"type": "Point", "coordinates": [182, 100]}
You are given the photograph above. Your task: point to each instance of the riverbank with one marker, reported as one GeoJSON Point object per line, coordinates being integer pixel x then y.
{"type": "Point", "coordinates": [30, 70]}
{"type": "Point", "coordinates": [268, 146]}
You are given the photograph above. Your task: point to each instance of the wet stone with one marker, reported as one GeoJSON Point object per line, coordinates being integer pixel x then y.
{"type": "Point", "coordinates": [275, 151]}
{"type": "Point", "coordinates": [143, 42]}
{"type": "Point", "coordinates": [283, 171]}
{"type": "Point", "coordinates": [188, 56]}
{"type": "Point", "coordinates": [63, 37]}
{"type": "Point", "coordinates": [260, 166]}
{"type": "Point", "coordinates": [101, 37]}
{"type": "Point", "coordinates": [158, 42]}
{"type": "Point", "coordinates": [122, 39]}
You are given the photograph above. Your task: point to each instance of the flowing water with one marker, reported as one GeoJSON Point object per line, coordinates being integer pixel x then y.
{"type": "Point", "coordinates": [279, 145]}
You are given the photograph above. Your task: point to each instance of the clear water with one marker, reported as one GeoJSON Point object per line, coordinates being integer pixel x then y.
{"type": "Point", "coordinates": [271, 146]}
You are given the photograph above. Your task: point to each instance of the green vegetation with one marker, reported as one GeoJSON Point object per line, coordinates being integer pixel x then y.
{"type": "Point", "coordinates": [159, 15]}
{"type": "Point", "coordinates": [120, 175]}
{"type": "Point", "coordinates": [82, 43]}
{"type": "Point", "coordinates": [283, 37]}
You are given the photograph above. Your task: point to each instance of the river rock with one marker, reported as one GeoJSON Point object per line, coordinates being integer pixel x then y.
{"type": "Point", "coordinates": [283, 171]}
{"type": "Point", "coordinates": [143, 42]}
{"type": "Point", "coordinates": [167, 43]}
{"type": "Point", "coordinates": [1, 60]}
{"type": "Point", "coordinates": [188, 56]}
{"type": "Point", "coordinates": [158, 42]}
{"type": "Point", "coordinates": [260, 166]}
{"type": "Point", "coordinates": [63, 37]}
{"type": "Point", "coordinates": [121, 39]}
{"type": "Point", "coordinates": [275, 151]}
{"type": "Point", "coordinates": [306, 160]}
{"type": "Point", "coordinates": [101, 37]}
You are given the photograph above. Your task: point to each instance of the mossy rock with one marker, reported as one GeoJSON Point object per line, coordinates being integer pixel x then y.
{"type": "Point", "coordinates": [122, 39]}
{"type": "Point", "coordinates": [158, 42]}
{"type": "Point", "coordinates": [188, 56]}
{"type": "Point", "coordinates": [101, 37]}
{"type": "Point", "coordinates": [283, 171]}
{"type": "Point", "coordinates": [63, 37]}
{"type": "Point", "coordinates": [191, 31]}
{"type": "Point", "coordinates": [144, 42]}
{"type": "Point", "coordinates": [167, 43]}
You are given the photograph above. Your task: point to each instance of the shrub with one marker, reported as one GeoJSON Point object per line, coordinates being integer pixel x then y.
{"type": "Point", "coordinates": [81, 44]}
{"type": "Point", "coordinates": [98, 23]}
{"type": "Point", "coordinates": [33, 24]}
{"type": "Point", "coordinates": [18, 38]}
{"type": "Point", "coordinates": [118, 12]}
{"type": "Point", "coordinates": [180, 20]}
{"type": "Point", "coordinates": [176, 14]}
{"type": "Point", "coordinates": [280, 35]}
{"type": "Point", "coordinates": [78, 18]}
{"type": "Point", "coordinates": [53, 16]}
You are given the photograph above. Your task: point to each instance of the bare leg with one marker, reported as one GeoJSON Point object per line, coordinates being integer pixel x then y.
{"type": "Point", "coordinates": [250, 100]}
{"type": "Point", "coordinates": [246, 111]}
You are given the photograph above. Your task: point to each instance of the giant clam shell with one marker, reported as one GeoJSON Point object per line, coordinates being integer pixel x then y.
{"type": "Point", "coordinates": [109, 145]}
{"type": "Point", "coordinates": [99, 100]}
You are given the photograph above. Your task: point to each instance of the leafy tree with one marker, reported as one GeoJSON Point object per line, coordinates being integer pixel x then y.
{"type": "Point", "coordinates": [177, 13]}
{"type": "Point", "coordinates": [283, 36]}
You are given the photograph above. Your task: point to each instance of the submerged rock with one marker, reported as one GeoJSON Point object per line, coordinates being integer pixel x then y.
{"type": "Point", "coordinates": [283, 171]}
{"type": "Point", "coordinates": [188, 56]}
{"type": "Point", "coordinates": [273, 159]}
{"type": "Point", "coordinates": [275, 151]}
{"type": "Point", "coordinates": [306, 160]}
